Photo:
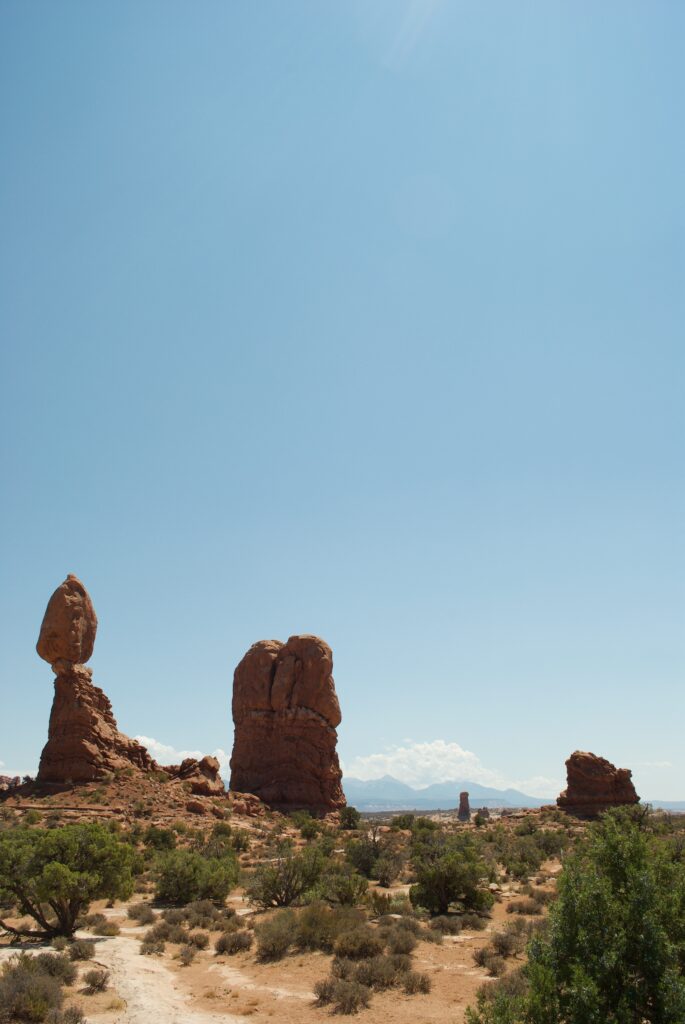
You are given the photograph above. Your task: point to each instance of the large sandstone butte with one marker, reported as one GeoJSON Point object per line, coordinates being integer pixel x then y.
{"type": "Point", "coordinates": [83, 740]}
{"type": "Point", "coordinates": [594, 785]}
{"type": "Point", "coordinates": [286, 711]}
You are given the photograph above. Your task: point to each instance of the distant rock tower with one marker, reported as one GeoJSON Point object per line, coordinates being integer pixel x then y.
{"type": "Point", "coordinates": [286, 712]}
{"type": "Point", "coordinates": [464, 812]}
{"type": "Point", "coordinates": [83, 740]}
{"type": "Point", "coordinates": [595, 784]}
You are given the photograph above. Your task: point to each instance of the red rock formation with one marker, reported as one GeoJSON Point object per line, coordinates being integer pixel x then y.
{"type": "Point", "coordinates": [83, 740]}
{"type": "Point", "coordinates": [286, 711]}
{"type": "Point", "coordinates": [202, 775]}
{"type": "Point", "coordinates": [69, 625]}
{"type": "Point", "coordinates": [594, 785]}
{"type": "Point", "coordinates": [464, 812]}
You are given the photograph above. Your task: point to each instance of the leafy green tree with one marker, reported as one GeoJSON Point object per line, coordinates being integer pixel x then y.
{"type": "Point", "coordinates": [449, 870]}
{"type": "Point", "coordinates": [285, 879]}
{"type": "Point", "coordinates": [184, 876]}
{"type": "Point", "coordinates": [614, 952]}
{"type": "Point", "coordinates": [349, 818]}
{"type": "Point", "coordinates": [52, 876]}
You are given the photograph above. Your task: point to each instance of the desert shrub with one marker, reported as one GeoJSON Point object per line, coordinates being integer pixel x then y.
{"type": "Point", "coordinates": [350, 997]}
{"type": "Point", "coordinates": [60, 942]}
{"type": "Point", "coordinates": [159, 932]}
{"type": "Point", "coordinates": [275, 936]}
{"type": "Point", "coordinates": [82, 949]}
{"type": "Point", "coordinates": [447, 924]}
{"type": "Point", "coordinates": [491, 961]}
{"type": "Point", "coordinates": [363, 855]}
{"type": "Point", "coordinates": [97, 980]}
{"type": "Point", "coordinates": [175, 915]}
{"type": "Point", "coordinates": [349, 818]}
{"type": "Point", "coordinates": [448, 870]}
{"type": "Point", "coordinates": [230, 943]}
{"type": "Point", "coordinates": [382, 903]}
{"type": "Point", "coordinates": [177, 934]}
{"type": "Point", "coordinates": [416, 983]}
{"type": "Point", "coordinates": [69, 1015]}
{"type": "Point", "coordinates": [401, 940]}
{"type": "Point", "coordinates": [318, 926]}
{"type": "Point", "coordinates": [378, 973]}
{"type": "Point", "coordinates": [526, 906]}
{"type": "Point", "coordinates": [108, 928]}
{"type": "Point", "coordinates": [505, 943]}
{"type": "Point", "coordinates": [403, 821]}
{"type": "Point", "coordinates": [142, 913]}
{"type": "Point", "coordinates": [186, 955]}
{"type": "Point", "coordinates": [159, 838]}
{"type": "Point", "coordinates": [240, 841]}
{"type": "Point", "coordinates": [474, 922]}
{"type": "Point", "coordinates": [152, 947]}
{"type": "Point", "coordinates": [93, 920]}
{"type": "Point", "coordinates": [324, 990]}
{"type": "Point", "coordinates": [185, 875]}
{"type": "Point", "coordinates": [286, 879]}
{"type": "Point", "coordinates": [26, 992]}
{"type": "Point", "coordinates": [343, 885]}
{"type": "Point", "coordinates": [200, 940]}
{"type": "Point", "coordinates": [358, 943]}
{"type": "Point", "coordinates": [64, 868]}
{"type": "Point", "coordinates": [387, 869]}
{"type": "Point", "coordinates": [59, 967]}
{"type": "Point", "coordinates": [431, 935]}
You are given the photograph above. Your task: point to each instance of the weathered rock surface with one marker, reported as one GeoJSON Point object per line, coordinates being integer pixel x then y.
{"type": "Point", "coordinates": [83, 740]}
{"type": "Point", "coordinates": [286, 711]}
{"type": "Point", "coordinates": [203, 775]}
{"type": "Point", "coordinates": [464, 812]}
{"type": "Point", "coordinates": [69, 625]}
{"type": "Point", "coordinates": [594, 785]}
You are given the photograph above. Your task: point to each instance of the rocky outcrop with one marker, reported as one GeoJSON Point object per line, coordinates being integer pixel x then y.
{"type": "Point", "coordinates": [202, 775]}
{"type": "Point", "coordinates": [286, 712]}
{"type": "Point", "coordinates": [594, 785]}
{"type": "Point", "coordinates": [464, 812]}
{"type": "Point", "coordinates": [83, 740]}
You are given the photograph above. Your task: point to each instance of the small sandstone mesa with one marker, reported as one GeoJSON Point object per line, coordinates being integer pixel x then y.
{"type": "Point", "coordinates": [84, 742]}
{"type": "Point", "coordinates": [69, 625]}
{"type": "Point", "coordinates": [286, 711]}
{"type": "Point", "coordinates": [464, 812]}
{"type": "Point", "coordinates": [595, 784]}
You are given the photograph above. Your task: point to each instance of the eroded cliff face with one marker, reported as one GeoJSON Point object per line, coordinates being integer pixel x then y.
{"type": "Point", "coordinates": [594, 785]}
{"type": "Point", "coordinates": [286, 713]}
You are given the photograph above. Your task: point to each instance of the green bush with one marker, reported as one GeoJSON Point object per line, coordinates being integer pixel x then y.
{"type": "Point", "coordinates": [449, 871]}
{"type": "Point", "coordinates": [447, 924]}
{"type": "Point", "coordinates": [349, 818]}
{"type": "Point", "coordinates": [52, 876]}
{"type": "Point", "coordinates": [286, 879]}
{"type": "Point", "coordinates": [159, 838]}
{"type": "Point", "coordinates": [342, 885]}
{"type": "Point", "coordinates": [185, 875]}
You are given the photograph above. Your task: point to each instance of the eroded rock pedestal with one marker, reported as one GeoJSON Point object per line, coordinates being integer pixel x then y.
{"type": "Point", "coordinates": [83, 740]}
{"type": "Point", "coordinates": [594, 785]}
{"type": "Point", "coordinates": [286, 711]}
{"type": "Point", "coordinates": [464, 812]}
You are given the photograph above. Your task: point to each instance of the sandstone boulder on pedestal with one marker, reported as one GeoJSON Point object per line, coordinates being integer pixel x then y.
{"type": "Point", "coordinates": [83, 740]}
{"type": "Point", "coordinates": [286, 711]}
{"type": "Point", "coordinates": [464, 812]}
{"type": "Point", "coordinates": [594, 785]}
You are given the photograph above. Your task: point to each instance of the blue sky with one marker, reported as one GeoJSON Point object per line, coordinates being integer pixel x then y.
{"type": "Point", "coordinates": [362, 319]}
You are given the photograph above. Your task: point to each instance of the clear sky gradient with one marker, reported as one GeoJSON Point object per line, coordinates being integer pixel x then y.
{"type": "Point", "coordinates": [363, 319]}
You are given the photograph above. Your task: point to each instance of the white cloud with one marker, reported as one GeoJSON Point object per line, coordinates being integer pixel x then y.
{"type": "Point", "coordinates": [164, 753]}
{"type": "Point", "coordinates": [654, 764]}
{"type": "Point", "coordinates": [420, 764]}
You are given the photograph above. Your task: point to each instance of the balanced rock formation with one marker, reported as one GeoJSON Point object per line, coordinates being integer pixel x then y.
{"type": "Point", "coordinates": [202, 775]}
{"type": "Point", "coordinates": [464, 812]}
{"type": "Point", "coordinates": [286, 711]}
{"type": "Point", "coordinates": [83, 740]}
{"type": "Point", "coordinates": [594, 785]}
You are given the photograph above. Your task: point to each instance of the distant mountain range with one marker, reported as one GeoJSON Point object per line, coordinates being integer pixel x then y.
{"type": "Point", "coordinates": [389, 794]}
